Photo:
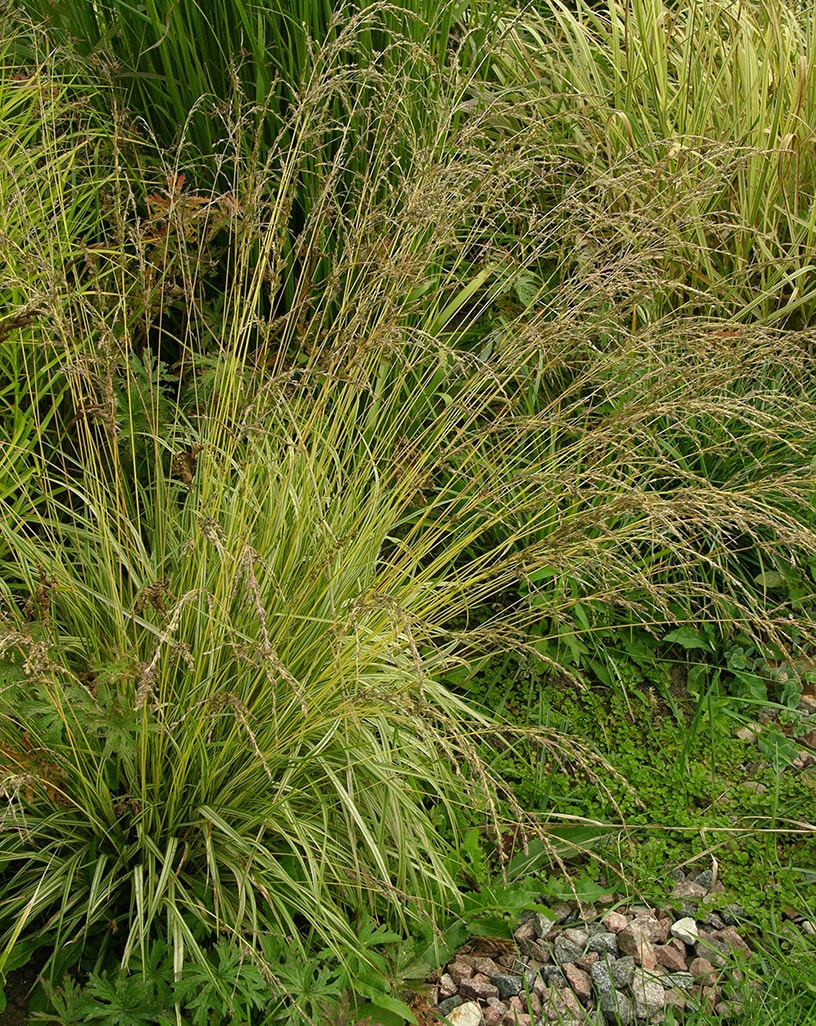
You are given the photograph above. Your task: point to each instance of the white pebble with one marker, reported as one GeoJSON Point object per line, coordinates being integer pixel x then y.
{"type": "Point", "coordinates": [468, 1014]}
{"type": "Point", "coordinates": [685, 930]}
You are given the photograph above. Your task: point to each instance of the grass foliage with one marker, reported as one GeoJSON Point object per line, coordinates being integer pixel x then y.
{"type": "Point", "coordinates": [164, 61]}
{"type": "Point", "coordinates": [694, 119]}
{"type": "Point", "coordinates": [300, 429]}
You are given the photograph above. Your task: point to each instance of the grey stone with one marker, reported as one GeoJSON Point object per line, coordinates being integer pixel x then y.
{"type": "Point", "coordinates": [531, 977]}
{"type": "Point", "coordinates": [602, 979]}
{"type": "Point", "coordinates": [716, 951]}
{"type": "Point", "coordinates": [543, 924]}
{"type": "Point", "coordinates": [622, 970]}
{"type": "Point", "coordinates": [564, 950]}
{"type": "Point", "coordinates": [603, 943]}
{"type": "Point", "coordinates": [611, 974]}
{"type": "Point", "coordinates": [617, 1008]}
{"type": "Point", "coordinates": [562, 911]}
{"type": "Point", "coordinates": [507, 985]}
{"type": "Point", "coordinates": [449, 1004]}
{"type": "Point", "coordinates": [704, 879]}
{"type": "Point", "coordinates": [680, 981]}
{"type": "Point", "coordinates": [732, 914]}
{"type": "Point", "coordinates": [553, 974]}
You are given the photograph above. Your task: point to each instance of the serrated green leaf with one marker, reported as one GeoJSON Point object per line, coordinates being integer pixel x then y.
{"type": "Point", "coordinates": [489, 926]}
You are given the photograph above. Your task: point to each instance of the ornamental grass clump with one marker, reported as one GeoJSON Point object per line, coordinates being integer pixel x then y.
{"type": "Point", "coordinates": [264, 506]}
{"type": "Point", "coordinates": [231, 585]}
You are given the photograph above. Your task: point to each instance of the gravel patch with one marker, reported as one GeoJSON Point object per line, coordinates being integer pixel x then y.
{"type": "Point", "coordinates": [576, 964]}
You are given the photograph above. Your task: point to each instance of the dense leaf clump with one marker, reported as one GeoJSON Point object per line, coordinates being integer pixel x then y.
{"type": "Point", "coordinates": [444, 334]}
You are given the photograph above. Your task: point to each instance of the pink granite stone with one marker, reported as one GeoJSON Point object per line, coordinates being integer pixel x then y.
{"type": "Point", "coordinates": [459, 971]}
{"type": "Point", "coordinates": [615, 922]}
{"type": "Point", "coordinates": [580, 981]}
{"type": "Point", "coordinates": [670, 958]}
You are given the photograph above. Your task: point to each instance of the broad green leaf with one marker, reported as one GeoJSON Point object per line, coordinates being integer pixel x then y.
{"type": "Point", "coordinates": [770, 579]}
{"type": "Point", "coordinates": [689, 638]}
